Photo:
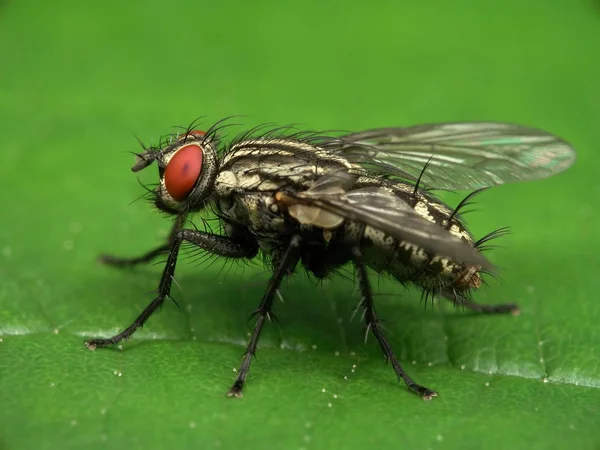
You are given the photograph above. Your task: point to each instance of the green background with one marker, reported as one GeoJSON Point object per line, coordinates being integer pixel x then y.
{"type": "Point", "coordinates": [77, 78]}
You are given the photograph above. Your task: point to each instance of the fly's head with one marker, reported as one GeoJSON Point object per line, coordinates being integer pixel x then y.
{"type": "Point", "coordinates": [187, 168]}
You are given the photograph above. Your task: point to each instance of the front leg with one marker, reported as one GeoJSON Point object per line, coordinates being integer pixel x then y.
{"type": "Point", "coordinates": [151, 254]}
{"type": "Point", "coordinates": [218, 245]}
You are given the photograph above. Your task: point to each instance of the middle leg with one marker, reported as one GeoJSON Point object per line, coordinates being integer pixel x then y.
{"type": "Point", "coordinates": [286, 265]}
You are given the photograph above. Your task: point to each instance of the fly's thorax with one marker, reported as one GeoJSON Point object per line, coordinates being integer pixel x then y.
{"type": "Point", "coordinates": [258, 212]}
{"type": "Point", "coordinates": [230, 182]}
{"type": "Point", "coordinates": [268, 153]}
{"type": "Point", "coordinates": [253, 177]}
{"type": "Point", "coordinates": [273, 164]}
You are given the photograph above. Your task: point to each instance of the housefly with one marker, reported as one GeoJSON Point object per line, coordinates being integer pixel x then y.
{"type": "Point", "coordinates": [325, 201]}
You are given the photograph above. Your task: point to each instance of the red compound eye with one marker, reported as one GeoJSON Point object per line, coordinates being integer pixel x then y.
{"type": "Point", "coordinates": [182, 172]}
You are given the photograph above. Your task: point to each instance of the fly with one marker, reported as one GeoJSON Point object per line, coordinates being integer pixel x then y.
{"type": "Point", "coordinates": [326, 201]}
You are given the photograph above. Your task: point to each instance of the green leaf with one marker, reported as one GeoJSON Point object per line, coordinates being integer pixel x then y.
{"type": "Point", "coordinates": [76, 77]}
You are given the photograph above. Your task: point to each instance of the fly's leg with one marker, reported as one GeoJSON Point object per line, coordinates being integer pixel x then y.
{"type": "Point", "coordinates": [150, 255]}
{"type": "Point", "coordinates": [504, 308]}
{"type": "Point", "coordinates": [288, 262]}
{"type": "Point", "coordinates": [372, 323]}
{"type": "Point", "coordinates": [219, 245]}
{"type": "Point", "coordinates": [127, 262]}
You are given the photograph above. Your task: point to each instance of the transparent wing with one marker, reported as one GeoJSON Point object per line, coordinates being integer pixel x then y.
{"type": "Point", "coordinates": [385, 211]}
{"type": "Point", "coordinates": [469, 155]}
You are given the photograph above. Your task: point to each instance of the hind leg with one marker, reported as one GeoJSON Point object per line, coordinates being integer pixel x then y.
{"type": "Point", "coordinates": [502, 308]}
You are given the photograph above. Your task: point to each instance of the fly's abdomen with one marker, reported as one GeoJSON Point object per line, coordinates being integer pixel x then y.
{"type": "Point", "coordinates": [409, 263]}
